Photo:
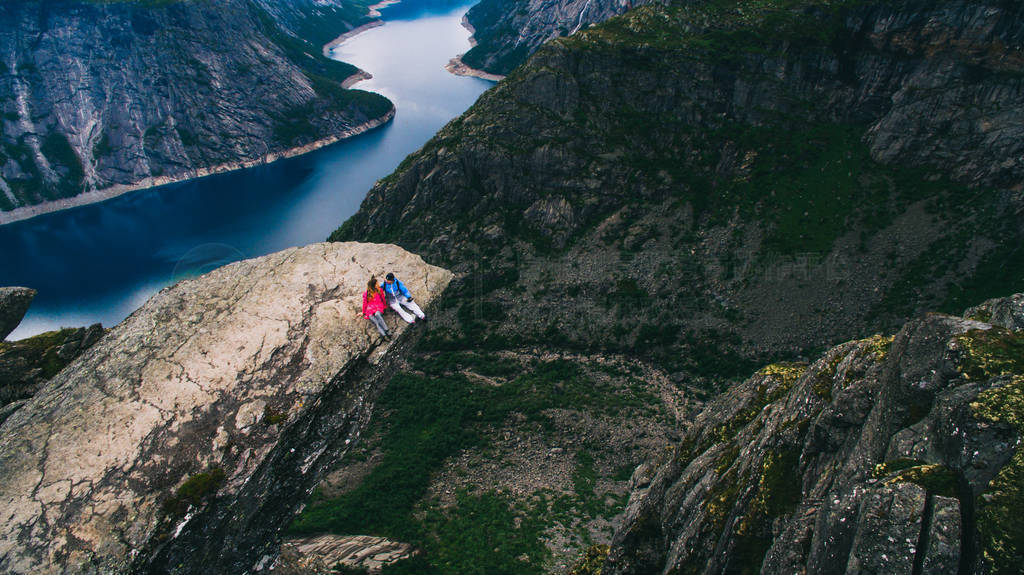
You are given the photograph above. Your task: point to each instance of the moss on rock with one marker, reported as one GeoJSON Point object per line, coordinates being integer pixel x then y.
{"type": "Point", "coordinates": [936, 479]}
{"type": "Point", "coordinates": [987, 353]}
{"type": "Point", "coordinates": [1001, 506]}
{"type": "Point", "coordinates": [193, 491]}
{"type": "Point", "coordinates": [591, 562]}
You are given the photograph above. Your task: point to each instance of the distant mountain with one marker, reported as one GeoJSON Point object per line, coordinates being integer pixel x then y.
{"type": "Point", "coordinates": [714, 184]}
{"type": "Point", "coordinates": [508, 32]}
{"type": "Point", "coordinates": [108, 95]}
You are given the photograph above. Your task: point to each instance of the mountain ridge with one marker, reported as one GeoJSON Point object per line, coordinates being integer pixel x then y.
{"type": "Point", "coordinates": [775, 156]}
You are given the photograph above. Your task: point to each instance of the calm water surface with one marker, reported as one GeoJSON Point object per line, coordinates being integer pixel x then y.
{"type": "Point", "coordinates": [99, 263]}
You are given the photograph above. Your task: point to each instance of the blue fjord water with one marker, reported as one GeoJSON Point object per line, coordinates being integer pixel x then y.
{"type": "Point", "coordinates": [98, 263]}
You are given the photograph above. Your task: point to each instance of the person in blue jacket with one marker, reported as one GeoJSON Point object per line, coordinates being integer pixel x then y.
{"type": "Point", "coordinates": [398, 296]}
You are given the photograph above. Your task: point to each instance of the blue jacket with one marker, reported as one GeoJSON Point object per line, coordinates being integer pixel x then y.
{"type": "Point", "coordinates": [391, 290]}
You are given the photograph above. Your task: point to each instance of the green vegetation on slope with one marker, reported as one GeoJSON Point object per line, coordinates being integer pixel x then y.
{"type": "Point", "coordinates": [427, 418]}
{"type": "Point", "coordinates": [1001, 507]}
{"type": "Point", "coordinates": [43, 350]}
{"type": "Point", "coordinates": [298, 125]}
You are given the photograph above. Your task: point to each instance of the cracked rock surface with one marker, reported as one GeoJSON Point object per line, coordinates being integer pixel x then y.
{"type": "Point", "coordinates": [188, 436]}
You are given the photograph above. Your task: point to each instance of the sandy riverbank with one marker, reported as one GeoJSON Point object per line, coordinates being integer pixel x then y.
{"type": "Point", "coordinates": [374, 12]}
{"type": "Point", "coordinates": [105, 194]}
{"type": "Point", "coordinates": [347, 35]}
{"type": "Point", "coordinates": [459, 68]}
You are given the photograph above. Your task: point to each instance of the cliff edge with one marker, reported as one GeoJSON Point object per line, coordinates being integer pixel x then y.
{"type": "Point", "coordinates": [887, 455]}
{"type": "Point", "coordinates": [189, 435]}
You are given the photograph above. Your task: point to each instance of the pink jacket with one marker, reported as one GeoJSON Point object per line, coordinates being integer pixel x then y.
{"type": "Point", "coordinates": [373, 304]}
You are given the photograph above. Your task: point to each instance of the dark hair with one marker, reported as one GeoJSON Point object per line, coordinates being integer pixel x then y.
{"type": "Point", "coordinates": [371, 286]}
{"type": "Point", "coordinates": [390, 277]}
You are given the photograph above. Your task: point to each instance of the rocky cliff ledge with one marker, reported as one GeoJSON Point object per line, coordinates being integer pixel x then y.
{"type": "Point", "coordinates": [14, 302]}
{"type": "Point", "coordinates": [887, 455]}
{"type": "Point", "coordinates": [185, 438]}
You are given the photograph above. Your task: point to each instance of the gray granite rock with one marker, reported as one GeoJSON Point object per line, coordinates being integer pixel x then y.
{"type": "Point", "coordinates": [1006, 312]}
{"type": "Point", "coordinates": [507, 33]}
{"type": "Point", "coordinates": [146, 454]}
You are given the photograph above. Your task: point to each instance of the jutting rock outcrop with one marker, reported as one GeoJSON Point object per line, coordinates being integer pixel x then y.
{"type": "Point", "coordinates": [887, 455]}
{"type": "Point", "coordinates": [189, 434]}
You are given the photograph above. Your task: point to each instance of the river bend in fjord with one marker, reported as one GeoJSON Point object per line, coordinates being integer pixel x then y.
{"type": "Point", "coordinates": [100, 262]}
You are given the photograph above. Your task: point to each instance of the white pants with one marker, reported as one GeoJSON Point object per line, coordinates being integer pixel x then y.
{"type": "Point", "coordinates": [400, 301]}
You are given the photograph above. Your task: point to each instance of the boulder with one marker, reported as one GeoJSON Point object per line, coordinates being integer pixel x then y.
{"type": "Point", "coordinates": [352, 551]}
{"type": "Point", "coordinates": [147, 454]}
{"type": "Point", "coordinates": [1007, 312]}
{"type": "Point", "coordinates": [14, 302]}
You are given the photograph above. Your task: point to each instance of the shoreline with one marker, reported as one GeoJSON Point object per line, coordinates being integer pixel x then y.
{"type": "Point", "coordinates": [459, 68]}
{"type": "Point", "coordinates": [330, 46]}
{"type": "Point", "coordinates": [98, 196]}
{"type": "Point", "coordinates": [372, 12]}
{"type": "Point", "coordinates": [455, 66]}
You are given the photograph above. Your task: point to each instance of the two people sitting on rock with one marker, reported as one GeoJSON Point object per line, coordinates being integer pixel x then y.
{"type": "Point", "coordinates": [393, 293]}
{"type": "Point", "coordinates": [373, 305]}
{"type": "Point", "coordinates": [398, 296]}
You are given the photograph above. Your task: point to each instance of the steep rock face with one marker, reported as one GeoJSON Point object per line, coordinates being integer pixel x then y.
{"type": "Point", "coordinates": [106, 96]}
{"type": "Point", "coordinates": [507, 33]}
{"type": "Point", "coordinates": [884, 456]}
{"type": "Point", "coordinates": [714, 181]}
{"type": "Point", "coordinates": [25, 365]}
{"type": "Point", "coordinates": [189, 435]}
{"type": "Point", "coordinates": [14, 302]}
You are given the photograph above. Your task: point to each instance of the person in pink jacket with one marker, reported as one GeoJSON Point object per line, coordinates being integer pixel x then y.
{"type": "Point", "coordinates": [373, 305]}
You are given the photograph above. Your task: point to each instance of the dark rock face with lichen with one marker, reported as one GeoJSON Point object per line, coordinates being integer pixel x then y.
{"type": "Point", "coordinates": [27, 364]}
{"type": "Point", "coordinates": [14, 302]}
{"type": "Point", "coordinates": [102, 96]}
{"type": "Point", "coordinates": [712, 184]}
{"type": "Point", "coordinates": [887, 455]}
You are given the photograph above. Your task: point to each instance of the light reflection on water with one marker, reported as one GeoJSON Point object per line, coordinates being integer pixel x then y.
{"type": "Point", "coordinates": [99, 263]}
